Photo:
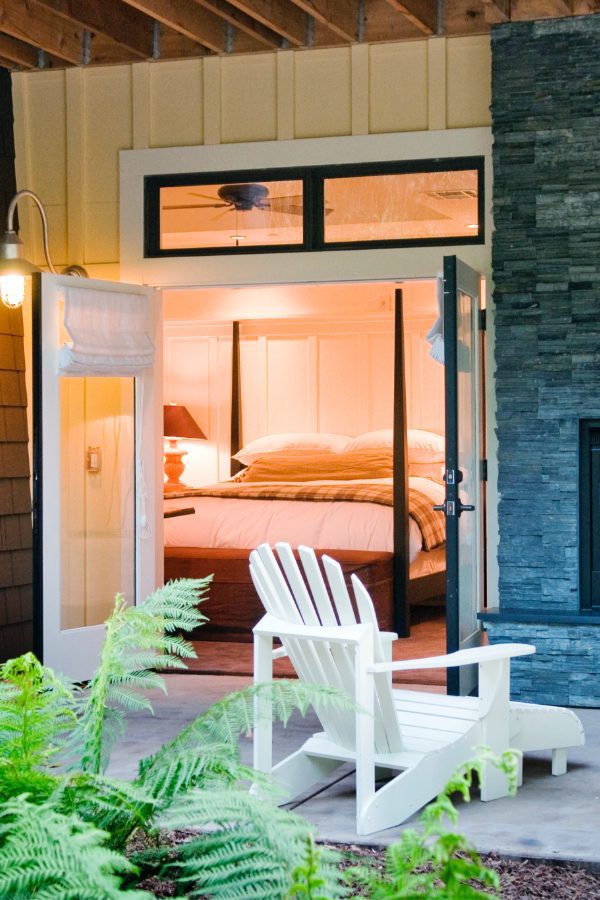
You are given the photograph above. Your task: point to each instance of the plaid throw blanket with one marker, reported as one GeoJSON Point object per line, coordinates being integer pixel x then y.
{"type": "Point", "coordinates": [420, 506]}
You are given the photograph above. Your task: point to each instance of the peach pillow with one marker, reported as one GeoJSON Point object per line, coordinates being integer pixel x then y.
{"type": "Point", "coordinates": [289, 465]}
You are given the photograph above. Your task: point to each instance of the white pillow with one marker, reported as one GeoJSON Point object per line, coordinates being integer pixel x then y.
{"type": "Point", "coordinates": [271, 443]}
{"type": "Point", "coordinates": [423, 446]}
{"type": "Point", "coordinates": [372, 440]}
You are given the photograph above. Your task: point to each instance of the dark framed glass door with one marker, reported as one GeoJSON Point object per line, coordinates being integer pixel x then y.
{"type": "Point", "coordinates": [464, 497]}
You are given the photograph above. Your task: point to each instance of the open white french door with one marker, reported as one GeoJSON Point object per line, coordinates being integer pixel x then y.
{"type": "Point", "coordinates": [463, 506]}
{"type": "Point", "coordinates": [97, 454]}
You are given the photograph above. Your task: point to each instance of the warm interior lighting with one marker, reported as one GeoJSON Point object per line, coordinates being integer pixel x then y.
{"type": "Point", "coordinates": [178, 423]}
{"type": "Point", "coordinates": [12, 290]}
{"type": "Point", "coordinates": [14, 268]}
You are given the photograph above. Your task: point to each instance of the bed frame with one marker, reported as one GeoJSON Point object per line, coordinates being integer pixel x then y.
{"type": "Point", "coordinates": [233, 607]}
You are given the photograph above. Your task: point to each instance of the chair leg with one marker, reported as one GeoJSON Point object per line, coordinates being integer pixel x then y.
{"type": "Point", "coordinates": [263, 715]}
{"type": "Point", "coordinates": [559, 761]}
{"type": "Point", "coordinates": [300, 771]}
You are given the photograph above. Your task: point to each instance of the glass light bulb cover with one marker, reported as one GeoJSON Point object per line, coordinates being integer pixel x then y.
{"type": "Point", "coordinates": [12, 290]}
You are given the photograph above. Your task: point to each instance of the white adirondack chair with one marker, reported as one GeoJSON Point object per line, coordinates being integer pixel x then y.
{"type": "Point", "coordinates": [419, 737]}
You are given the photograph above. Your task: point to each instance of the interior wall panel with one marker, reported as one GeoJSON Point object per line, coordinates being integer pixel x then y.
{"type": "Point", "coordinates": [341, 372]}
{"type": "Point", "coordinates": [176, 103]}
{"type": "Point", "coordinates": [398, 87]}
{"type": "Point", "coordinates": [322, 93]}
{"type": "Point", "coordinates": [469, 84]}
{"type": "Point", "coordinates": [249, 98]}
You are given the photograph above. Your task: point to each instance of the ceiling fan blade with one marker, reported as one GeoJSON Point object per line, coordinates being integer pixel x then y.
{"type": "Point", "coordinates": [285, 205]}
{"type": "Point", "coordinates": [204, 196]}
{"type": "Point", "coordinates": [224, 213]}
{"type": "Point", "coordinates": [196, 206]}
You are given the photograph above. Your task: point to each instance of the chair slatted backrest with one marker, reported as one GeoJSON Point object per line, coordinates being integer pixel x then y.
{"type": "Point", "coordinates": [304, 596]}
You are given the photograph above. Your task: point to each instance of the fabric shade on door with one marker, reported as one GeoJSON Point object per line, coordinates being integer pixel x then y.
{"type": "Point", "coordinates": [110, 334]}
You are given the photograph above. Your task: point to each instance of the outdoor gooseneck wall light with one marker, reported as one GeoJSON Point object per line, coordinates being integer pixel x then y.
{"type": "Point", "coordinates": [14, 268]}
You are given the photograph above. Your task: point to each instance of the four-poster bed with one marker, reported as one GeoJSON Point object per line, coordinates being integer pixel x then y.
{"type": "Point", "coordinates": [361, 532]}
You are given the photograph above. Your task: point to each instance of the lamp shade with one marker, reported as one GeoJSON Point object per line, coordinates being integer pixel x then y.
{"type": "Point", "coordinates": [179, 423]}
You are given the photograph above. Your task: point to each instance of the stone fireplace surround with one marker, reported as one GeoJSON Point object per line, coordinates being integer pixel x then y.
{"type": "Point", "coordinates": [546, 273]}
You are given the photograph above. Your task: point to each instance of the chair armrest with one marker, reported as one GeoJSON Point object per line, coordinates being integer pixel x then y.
{"type": "Point", "coordinates": [388, 636]}
{"type": "Point", "coordinates": [341, 634]}
{"type": "Point", "coordinates": [460, 658]}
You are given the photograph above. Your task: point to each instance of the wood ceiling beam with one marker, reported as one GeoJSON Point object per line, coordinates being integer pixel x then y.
{"type": "Point", "coordinates": [110, 18]}
{"type": "Point", "coordinates": [33, 24]}
{"type": "Point", "coordinates": [186, 17]}
{"type": "Point", "coordinates": [339, 16]}
{"type": "Point", "coordinates": [18, 53]}
{"type": "Point", "coordinates": [243, 22]}
{"type": "Point", "coordinates": [422, 13]}
{"type": "Point", "coordinates": [287, 20]}
{"type": "Point", "coordinates": [496, 11]}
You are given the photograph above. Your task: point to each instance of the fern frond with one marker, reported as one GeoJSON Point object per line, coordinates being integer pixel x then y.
{"type": "Point", "coordinates": [37, 715]}
{"type": "Point", "coordinates": [49, 855]}
{"type": "Point", "coordinates": [115, 806]}
{"type": "Point", "coordinates": [136, 637]}
{"type": "Point", "coordinates": [249, 848]}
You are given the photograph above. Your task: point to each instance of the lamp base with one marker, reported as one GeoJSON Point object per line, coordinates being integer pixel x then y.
{"type": "Point", "coordinates": [174, 469]}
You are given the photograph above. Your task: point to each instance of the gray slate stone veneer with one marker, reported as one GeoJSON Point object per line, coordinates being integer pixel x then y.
{"type": "Point", "coordinates": [546, 270]}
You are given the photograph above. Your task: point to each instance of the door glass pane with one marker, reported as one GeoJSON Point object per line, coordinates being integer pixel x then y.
{"type": "Point", "coordinates": [97, 556]}
{"type": "Point", "coordinates": [195, 216]}
{"type": "Point", "coordinates": [467, 463]}
{"type": "Point", "coordinates": [402, 206]}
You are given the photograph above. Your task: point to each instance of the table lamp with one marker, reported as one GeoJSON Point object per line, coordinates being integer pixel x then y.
{"type": "Point", "coordinates": [178, 423]}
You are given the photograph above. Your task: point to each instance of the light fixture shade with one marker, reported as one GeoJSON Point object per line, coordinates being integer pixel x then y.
{"type": "Point", "coordinates": [179, 423]}
{"type": "Point", "coordinates": [11, 262]}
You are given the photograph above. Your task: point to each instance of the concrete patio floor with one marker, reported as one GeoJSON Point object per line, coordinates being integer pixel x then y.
{"type": "Point", "coordinates": [551, 818]}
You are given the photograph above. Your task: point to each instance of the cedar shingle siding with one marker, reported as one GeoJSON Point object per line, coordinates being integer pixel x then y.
{"type": "Point", "coordinates": [16, 600]}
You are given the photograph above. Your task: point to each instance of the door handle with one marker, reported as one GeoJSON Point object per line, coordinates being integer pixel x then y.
{"type": "Point", "coordinates": [453, 507]}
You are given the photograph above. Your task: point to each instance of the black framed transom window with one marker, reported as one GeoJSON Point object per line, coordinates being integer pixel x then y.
{"type": "Point", "coordinates": [391, 204]}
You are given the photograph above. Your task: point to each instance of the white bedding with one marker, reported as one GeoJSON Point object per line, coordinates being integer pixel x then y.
{"type": "Point", "coordinates": [336, 525]}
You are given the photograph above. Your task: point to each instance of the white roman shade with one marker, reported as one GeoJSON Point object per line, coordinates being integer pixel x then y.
{"type": "Point", "coordinates": [110, 333]}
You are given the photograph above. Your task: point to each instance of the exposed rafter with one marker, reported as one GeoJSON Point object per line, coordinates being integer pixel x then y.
{"type": "Point", "coordinates": [242, 22]}
{"type": "Point", "coordinates": [27, 21]}
{"type": "Point", "coordinates": [422, 13]}
{"type": "Point", "coordinates": [194, 22]}
{"type": "Point", "coordinates": [110, 18]}
{"type": "Point", "coordinates": [339, 16]}
{"type": "Point", "coordinates": [496, 11]}
{"type": "Point", "coordinates": [15, 52]}
{"type": "Point", "coordinates": [284, 18]}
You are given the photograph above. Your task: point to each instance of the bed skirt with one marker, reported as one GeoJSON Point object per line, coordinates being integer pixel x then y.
{"type": "Point", "coordinates": [232, 605]}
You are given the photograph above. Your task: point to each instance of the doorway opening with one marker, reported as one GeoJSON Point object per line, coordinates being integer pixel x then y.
{"type": "Point", "coordinates": [316, 366]}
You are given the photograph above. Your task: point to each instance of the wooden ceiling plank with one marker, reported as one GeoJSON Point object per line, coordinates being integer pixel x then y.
{"type": "Point", "coordinates": [18, 53]}
{"type": "Point", "coordinates": [422, 13]}
{"type": "Point", "coordinates": [243, 22]}
{"type": "Point", "coordinates": [110, 18]}
{"type": "Point", "coordinates": [339, 16]}
{"type": "Point", "coordinates": [496, 11]}
{"type": "Point", "coordinates": [26, 21]}
{"type": "Point", "coordinates": [282, 17]}
{"type": "Point", "coordinates": [186, 17]}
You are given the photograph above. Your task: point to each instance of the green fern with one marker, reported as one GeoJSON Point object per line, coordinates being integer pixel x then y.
{"type": "Point", "coordinates": [37, 714]}
{"type": "Point", "coordinates": [247, 848]}
{"type": "Point", "coordinates": [434, 862]}
{"type": "Point", "coordinates": [139, 639]}
{"type": "Point", "coordinates": [57, 857]}
{"type": "Point", "coordinates": [207, 749]}
{"type": "Point", "coordinates": [310, 878]}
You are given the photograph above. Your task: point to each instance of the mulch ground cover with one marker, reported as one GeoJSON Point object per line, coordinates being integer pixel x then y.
{"type": "Point", "coordinates": [521, 879]}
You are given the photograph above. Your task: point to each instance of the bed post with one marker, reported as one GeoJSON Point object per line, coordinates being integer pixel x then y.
{"type": "Point", "coordinates": [401, 609]}
{"type": "Point", "coordinates": [236, 406]}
